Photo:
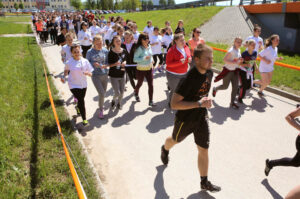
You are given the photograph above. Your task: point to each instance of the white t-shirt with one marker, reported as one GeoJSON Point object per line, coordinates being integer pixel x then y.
{"type": "Point", "coordinates": [77, 78]}
{"type": "Point", "coordinates": [82, 35]}
{"type": "Point", "coordinates": [71, 26]}
{"type": "Point", "coordinates": [136, 36]}
{"type": "Point", "coordinates": [95, 30]}
{"type": "Point", "coordinates": [235, 54]}
{"type": "Point", "coordinates": [258, 40]}
{"type": "Point", "coordinates": [148, 30]}
{"type": "Point", "coordinates": [156, 49]}
{"type": "Point", "coordinates": [107, 32]}
{"type": "Point", "coordinates": [167, 40]}
{"type": "Point", "coordinates": [271, 54]}
{"type": "Point", "coordinates": [66, 53]}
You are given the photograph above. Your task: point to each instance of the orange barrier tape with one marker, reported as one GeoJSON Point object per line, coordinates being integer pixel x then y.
{"type": "Point", "coordinates": [80, 191]}
{"type": "Point", "coordinates": [276, 63]}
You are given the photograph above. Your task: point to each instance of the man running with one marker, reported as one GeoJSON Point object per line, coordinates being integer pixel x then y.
{"type": "Point", "coordinates": [295, 161]}
{"type": "Point", "coordinates": [191, 101]}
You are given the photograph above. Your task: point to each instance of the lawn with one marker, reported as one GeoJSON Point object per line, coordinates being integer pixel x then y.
{"type": "Point", "coordinates": [16, 19]}
{"type": "Point", "coordinates": [32, 160]}
{"type": "Point", "coordinates": [8, 25]}
{"type": "Point", "coordinates": [283, 78]}
{"type": "Point", "coordinates": [192, 17]}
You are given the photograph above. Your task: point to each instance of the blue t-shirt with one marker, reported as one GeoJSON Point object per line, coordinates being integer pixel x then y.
{"type": "Point", "coordinates": [100, 56]}
{"type": "Point", "coordinates": [249, 59]}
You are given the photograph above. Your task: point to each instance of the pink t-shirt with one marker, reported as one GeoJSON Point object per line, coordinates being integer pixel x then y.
{"type": "Point", "coordinates": [193, 44]}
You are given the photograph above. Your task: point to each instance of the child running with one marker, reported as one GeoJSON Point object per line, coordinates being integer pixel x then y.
{"type": "Point", "coordinates": [156, 45]}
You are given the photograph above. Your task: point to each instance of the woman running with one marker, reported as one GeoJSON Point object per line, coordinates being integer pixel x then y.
{"type": "Point", "coordinates": [180, 28]}
{"type": "Point", "coordinates": [39, 29]}
{"type": "Point", "coordinates": [247, 67]}
{"type": "Point", "coordinates": [53, 27]}
{"type": "Point", "coordinates": [292, 162]}
{"type": "Point", "coordinates": [78, 68]}
{"type": "Point", "coordinates": [129, 46]}
{"type": "Point", "coordinates": [268, 57]}
{"type": "Point", "coordinates": [143, 58]}
{"type": "Point", "coordinates": [156, 45]}
{"type": "Point", "coordinates": [98, 58]}
{"type": "Point", "coordinates": [230, 72]}
{"type": "Point", "coordinates": [117, 62]}
{"type": "Point", "coordinates": [149, 28]}
{"type": "Point", "coordinates": [194, 42]}
{"type": "Point", "coordinates": [85, 38]}
{"type": "Point", "coordinates": [178, 57]}
{"type": "Point", "coordinates": [94, 29]}
{"type": "Point", "coordinates": [66, 54]}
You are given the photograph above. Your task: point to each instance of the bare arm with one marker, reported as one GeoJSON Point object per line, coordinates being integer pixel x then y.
{"type": "Point", "coordinates": [227, 59]}
{"type": "Point", "coordinates": [177, 103]}
{"type": "Point", "coordinates": [290, 118]}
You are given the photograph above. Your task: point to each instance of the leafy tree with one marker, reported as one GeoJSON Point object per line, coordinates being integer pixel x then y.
{"type": "Point", "coordinates": [98, 4]}
{"type": "Point", "coordinates": [1, 4]}
{"type": "Point", "coordinates": [150, 5]}
{"type": "Point", "coordinates": [171, 2]}
{"type": "Point", "coordinates": [104, 4]}
{"type": "Point", "coordinates": [16, 6]}
{"type": "Point", "coordinates": [93, 4]}
{"type": "Point", "coordinates": [110, 4]}
{"type": "Point", "coordinates": [21, 5]}
{"type": "Point", "coordinates": [76, 4]}
{"type": "Point", "coordinates": [162, 3]}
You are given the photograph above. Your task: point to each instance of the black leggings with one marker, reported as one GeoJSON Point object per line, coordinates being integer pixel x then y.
{"type": "Point", "coordinates": [161, 60]}
{"type": "Point", "coordinates": [53, 37]}
{"type": "Point", "coordinates": [292, 162]}
{"type": "Point", "coordinates": [79, 93]}
{"type": "Point", "coordinates": [131, 71]}
{"type": "Point", "coordinates": [107, 43]}
{"type": "Point", "coordinates": [245, 84]}
{"type": "Point", "coordinates": [85, 49]}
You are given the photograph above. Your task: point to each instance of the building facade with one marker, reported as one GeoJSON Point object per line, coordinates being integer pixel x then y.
{"type": "Point", "coordinates": [39, 4]}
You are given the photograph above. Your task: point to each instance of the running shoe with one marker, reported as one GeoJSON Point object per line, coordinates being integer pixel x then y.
{"type": "Point", "coordinates": [137, 98]}
{"type": "Point", "coordinates": [234, 105]}
{"type": "Point", "coordinates": [151, 103]}
{"type": "Point", "coordinates": [113, 103]}
{"type": "Point", "coordinates": [85, 123]}
{"type": "Point", "coordinates": [77, 110]}
{"type": "Point", "coordinates": [260, 93]}
{"type": "Point", "coordinates": [268, 167]}
{"type": "Point", "coordinates": [214, 92]}
{"type": "Point", "coordinates": [240, 101]}
{"type": "Point", "coordinates": [119, 106]}
{"type": "Point", "coordinates": [208, 186]}
{"type": "Point", "coordinates": [101, 116]}
{"type": "Point", "coordinates": [164, 155]}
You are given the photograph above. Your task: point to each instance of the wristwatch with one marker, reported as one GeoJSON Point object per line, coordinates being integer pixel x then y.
{"type": "Point", "coordinates": [200, 104]}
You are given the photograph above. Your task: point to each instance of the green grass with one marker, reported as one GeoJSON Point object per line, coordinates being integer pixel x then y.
{"type": "Point", "coordinates": [32, 160]}
{"type": "Point", "coordinates": [283, 78]}
{"type": "Point", "coordinates": [8, 25]}
{"type": "Point", "coordinates": [192, 17]}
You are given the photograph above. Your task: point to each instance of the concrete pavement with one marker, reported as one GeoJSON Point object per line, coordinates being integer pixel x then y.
{"type": "Point", "coordinates": [125, 147]}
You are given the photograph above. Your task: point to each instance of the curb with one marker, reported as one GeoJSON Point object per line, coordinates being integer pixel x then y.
{"type": "Point", "coordinates": [274, 90]}
{"type": "Point", "coordinates": [99, 186]}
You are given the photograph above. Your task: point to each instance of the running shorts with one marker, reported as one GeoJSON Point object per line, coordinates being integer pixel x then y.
{"type": "Point", "coordinates": [200, 129]}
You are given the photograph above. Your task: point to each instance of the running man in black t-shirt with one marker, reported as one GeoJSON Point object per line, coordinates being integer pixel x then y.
{"type": "Point", "coordinates": [191, 100]}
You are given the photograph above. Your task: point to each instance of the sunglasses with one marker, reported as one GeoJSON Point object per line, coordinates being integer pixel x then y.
{"type": "Point", "coordinates": [198, 32]}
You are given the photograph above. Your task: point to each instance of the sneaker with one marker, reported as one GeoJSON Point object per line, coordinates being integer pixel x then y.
{"type": "Point", "coordinates": [85, 123]}
{"type": "Point", "coordinates": [268, 167]}
{"type": "Point", "coordinates": [77, 110]}
{"type": "Point", "coordinates": [207, 186]}
{"type": "Point", "coordinates": [137, 98]}
{"type": "Point", "coordinates": [113, 103]}
{"type": "Point", "coordinates": [240, 101]}
{"type": "Point", "coordinates": [119, 107]}
{"type": "Point", "coordinates": [101, 116]}
{"type": "Point", "coordinates": [234, 105]}
{"type": "Point", "coordinates": [151, 104]}
{"type": "Point", "coordinates": [164, 155]}
{"type": "Point", "coordinates": [214, 92]}
{"type": "Point", "coordinates": [260, 93]}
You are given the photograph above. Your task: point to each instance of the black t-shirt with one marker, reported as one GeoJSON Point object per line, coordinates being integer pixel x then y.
{"type": "Point", "coordinates": [194, 87]}
{"type": "Point", "coordinates": [52, 27]}
{"type": "Point", "coordinates": [60, 39]}
{"type": "Point", "coordinates": [113, 58]}
{"type": "Point", "coordinates": [249, 59]}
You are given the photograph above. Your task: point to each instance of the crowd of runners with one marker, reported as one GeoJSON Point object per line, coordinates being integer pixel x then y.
{"type": "Point", "coordinates": [112, 50]}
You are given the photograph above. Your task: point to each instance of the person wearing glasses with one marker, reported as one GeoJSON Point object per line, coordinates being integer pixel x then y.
{"type": "Point", "coordinates": [85, 38]}
{"type": "Point", "coordinates": [194, 42]}
{"type": "Point", "coordinates": [144, 60]}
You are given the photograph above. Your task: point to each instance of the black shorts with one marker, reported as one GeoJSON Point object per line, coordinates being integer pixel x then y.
{"type": "Point", "coordinates": [200, 129]}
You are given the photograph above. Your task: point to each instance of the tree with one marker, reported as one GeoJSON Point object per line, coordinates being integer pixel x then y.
{"type": "Point", "coordinates": [16, 6]}
{"type": "Point", "coordinates": [1, 4]}
{"type": "Point", "coordinates": [162, 3]}
{"type": "Point", "coordinates": [104, 5]}
{"type": "Point", "coordinates": [171, 2]}
{"type": "Point", "coordinates": [150, 5]}
{"type": "Point", "coordinates": [21, 5]}
{"type": "Point", "coordinates": [98, 4]}
{"type": "Point", "coordinates": [76, 4]}
{"type": "Point", "coordinates": [110, 4]}
{"type": "Point", "coordinates": [93, 4]}
{"type": "Point", "coordinates": [117, 5]}
{"type": "Point", "coordinates": [88, 4]}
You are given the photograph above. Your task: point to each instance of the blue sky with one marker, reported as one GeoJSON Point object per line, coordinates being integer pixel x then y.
{"type": "Point", "coordinates": [235, 2]}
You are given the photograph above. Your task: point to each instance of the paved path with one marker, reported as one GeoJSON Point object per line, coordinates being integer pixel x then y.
{"type": "Point", "coordinates": [125, 147]}
{"type": "Point", "coordinates": [17, 35]}
{"type": "Point", "coordinates": [225, 26]}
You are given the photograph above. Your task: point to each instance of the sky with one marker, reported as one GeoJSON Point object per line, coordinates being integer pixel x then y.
{"type": "Point", "coordinates": [235, 2]}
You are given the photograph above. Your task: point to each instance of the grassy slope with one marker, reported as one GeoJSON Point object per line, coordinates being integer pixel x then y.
{"type": "Point", "coordinates": [7, 27]}
{"type": "Point", "coordinates": [192, 17]}
{"type": "Point", "coordinates": [32, 160]}
{"type": "Point", "coordinates": [282, 78]}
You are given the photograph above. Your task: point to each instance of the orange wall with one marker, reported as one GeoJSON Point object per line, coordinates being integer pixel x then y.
{"type": "Point", "coordinates": [291, 7]}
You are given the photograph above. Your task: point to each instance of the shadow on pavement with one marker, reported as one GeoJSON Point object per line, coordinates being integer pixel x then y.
{"type": "Point", "coordinates": [221, 114]}
{"type": "Point", "coordinates": [162, 121]}
{"type": "Point", "coordinates": [274, 193]}
{"type": "Point", "coordinates": [260, 104]}
{"type": "Point", "coordinates": [201, 195]}
{"type": "Point", "coordinates": [160, 192]}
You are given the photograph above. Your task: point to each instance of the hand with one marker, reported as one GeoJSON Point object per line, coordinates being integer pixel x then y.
{"type": "Point", "coordinates": [280, 58]}
{"type": "Point", "coordinates": [267, 61]}
{"type": "Point", "coordinates": [118, 63]}
{"type": "Point", "coordinates": [206, 102]}
{"type": "Point", "coordinates": [87, 73]}
{"type": "Point", "coordinates": [97, 65]}
{"type": "Point", "coordinates": [182, 60]}
{"type": "Point", "coordinates": [147, 57]}
{"type": "Point", "coordinates": [85, 38]}
{"type": "Point", "coordinates": [103, 66]}
{"type": "Point", "coordinates": [190, 60]}
{"type": "Point", "coordinates": [63, 79]}
{"type": "Point", "coordinates": [123, 64]}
